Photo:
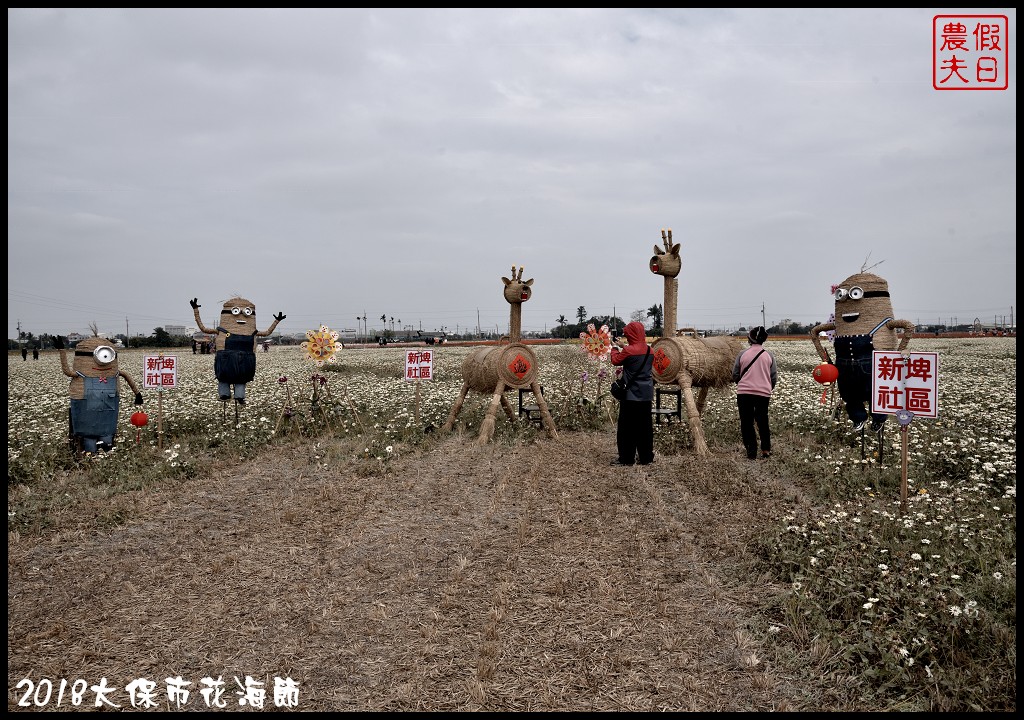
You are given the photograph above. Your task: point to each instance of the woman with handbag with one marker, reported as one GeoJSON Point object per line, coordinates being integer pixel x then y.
{"type": "Point", "coordinates": [634, 436]}
{"type": "Point", "coordinates": [755, 376]}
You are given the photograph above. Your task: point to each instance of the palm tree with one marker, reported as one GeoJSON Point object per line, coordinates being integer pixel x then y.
{"type": "Point", "coordinates": [561, 321]}
{"type": "Point", "coordinates": [656, 312]}
{"type": "Point", "coordinates": [581, 314]}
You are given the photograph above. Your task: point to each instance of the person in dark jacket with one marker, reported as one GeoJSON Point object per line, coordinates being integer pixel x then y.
{"type": "Point", "coordinates": [755, 376]}
{"type": "Point", "coordinates": [635, 433]}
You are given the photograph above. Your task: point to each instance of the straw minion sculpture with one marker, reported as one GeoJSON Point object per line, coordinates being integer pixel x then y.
{"type": "Point", "coordinates": [234, 363]}
{"type": "Point", "coordinates": [863, 323]}
{"type": "Point", "coordinates": [94, 391]}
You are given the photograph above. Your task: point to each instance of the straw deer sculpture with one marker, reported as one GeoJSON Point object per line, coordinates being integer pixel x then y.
{"type": "Point", "coordinates": [683, 358]}
{"type": "Point", "coordinates": [498, 368]}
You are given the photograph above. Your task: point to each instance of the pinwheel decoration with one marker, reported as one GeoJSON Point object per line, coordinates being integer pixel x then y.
{"type": "Point", "coordinates": [596, 343]}
{"type": "Point", "coordinates": [321, 345]}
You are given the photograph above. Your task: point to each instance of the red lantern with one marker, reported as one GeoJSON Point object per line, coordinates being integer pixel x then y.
{"type": "Point", "coordinates": [826, 373]}
{"type": "Point", "coordinates": [138, 420]}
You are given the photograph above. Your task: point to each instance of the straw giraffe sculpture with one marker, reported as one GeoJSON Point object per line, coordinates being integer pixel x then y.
{"type": "Point", "coordinates": [684, 359]}
{"type": "Point", "coordinates": [496, 369]}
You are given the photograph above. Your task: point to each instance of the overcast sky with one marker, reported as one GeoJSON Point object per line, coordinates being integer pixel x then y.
{"type": "Point", "coordinates": [333, 163]}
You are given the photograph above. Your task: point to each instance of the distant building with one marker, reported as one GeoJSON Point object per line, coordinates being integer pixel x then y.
{"type": "Point", "coordinates": [177, 330]}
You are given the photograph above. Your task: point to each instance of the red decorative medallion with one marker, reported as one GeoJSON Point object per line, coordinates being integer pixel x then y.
{"type": "Point", "coordinates": [661, 361]}
{"type": "Point", "coordinates": [519, 367]}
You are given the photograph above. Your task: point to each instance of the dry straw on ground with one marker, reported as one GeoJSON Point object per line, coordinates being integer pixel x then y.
{"type": "Point", "coordinates": [466, 578]}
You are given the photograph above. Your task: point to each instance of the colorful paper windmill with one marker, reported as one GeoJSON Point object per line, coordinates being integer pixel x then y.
{"type": "Point", "coordinates": [321, 345]}
{"type": "Point", "coordinates": [596, 343]}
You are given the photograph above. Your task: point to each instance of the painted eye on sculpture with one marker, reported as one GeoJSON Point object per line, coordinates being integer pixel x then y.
{"type": "Point", "coordinates": [856, 293]}
{"type": "Point", "coordinates": [247, 311]}
{"type": "Point", "coordinates": [236, 311]}
{"type": "Point", "coordinates": [841, 293]}
{"type": "Point", "coordinates": [104, 354]}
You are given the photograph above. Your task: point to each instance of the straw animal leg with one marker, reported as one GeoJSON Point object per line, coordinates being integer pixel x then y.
{"type": "Point", "coordinates": [700, 445]}
{"type": "Point", "coordinates": [456, 408]}
{"type": "Point", "coordinates": [487, 426]}
{"type": "Point", "coordinates": [702, 397]}
{"type": "Point", "coordinates": [545, 414]}
{"type": "Point", "coordinates": [507, 407]}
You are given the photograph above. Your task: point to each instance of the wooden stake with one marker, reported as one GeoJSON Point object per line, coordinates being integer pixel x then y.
{"type": "Point", "coordinates": [416, 411]}
{"type": "Point", "coordinates": [160, 420]}
{"type": "Point", "coordinates": [903, 479]}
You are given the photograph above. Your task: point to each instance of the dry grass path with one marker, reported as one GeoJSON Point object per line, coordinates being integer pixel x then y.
{"type": "Point", "coordinates": [466, 578]}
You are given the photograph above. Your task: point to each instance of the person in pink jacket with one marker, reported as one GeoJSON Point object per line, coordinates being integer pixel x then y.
{"type": "Point", "coordinates": [755, 376]}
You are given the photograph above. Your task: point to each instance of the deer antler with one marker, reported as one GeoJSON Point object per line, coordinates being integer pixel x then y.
{"type": "Point", "coordinates": [670, 247]}
{"type": "Point", "coordinates": [517, 277]}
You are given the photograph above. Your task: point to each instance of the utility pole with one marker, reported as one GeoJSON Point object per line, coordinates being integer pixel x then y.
{"type": "Point", "coordinates": [478, 323]}
{"type": "Point", "coordinates": [762, 315]}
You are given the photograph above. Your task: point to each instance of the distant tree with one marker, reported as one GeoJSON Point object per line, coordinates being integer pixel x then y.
{"type": "Point", "coordinates": [656, 312]}
{"type": "Point", "coordinates": [561, 321]}
{"type": "Point", "coordinates": [162, 338]}
{"type": "Point", "coordinates": [614, 323]}
{"type": "Point", "coordinates": [789, 327]}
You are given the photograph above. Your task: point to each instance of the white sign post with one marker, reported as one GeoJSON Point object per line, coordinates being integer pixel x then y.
{"type": "Point", "coordinates": [160, 372]}
{"type": "Point", "coordinates": [906, 387]}
{"type": "Point", "coordinates": [419, 365]}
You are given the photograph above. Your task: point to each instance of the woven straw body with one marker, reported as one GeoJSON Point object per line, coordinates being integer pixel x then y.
{"type": "Point", "coordinates": [859, 317]}
{"type": "Point", "coordinates": [513, 364]}
{"type": "Point", "coordinates": [709, 361]}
